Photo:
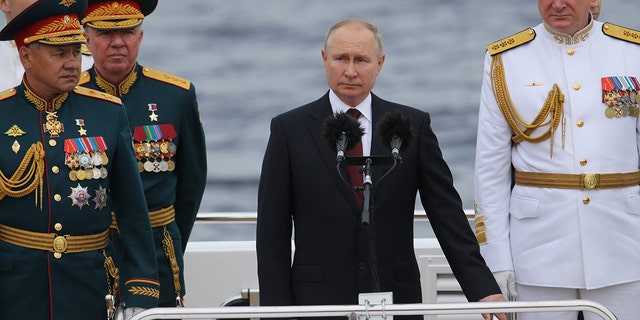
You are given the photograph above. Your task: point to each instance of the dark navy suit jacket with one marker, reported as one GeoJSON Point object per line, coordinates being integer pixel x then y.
{"type": "Point", "coordinates": [300, 187]}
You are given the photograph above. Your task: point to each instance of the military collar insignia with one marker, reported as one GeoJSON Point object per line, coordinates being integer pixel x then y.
{"type": "Point", "coordinates": [41, 104]}
{"type": "Point", "coordinates": [67, 3]}
{"type": "Point", "coordinates": [121, 89]}
{"type": "Point", "coordinates": [563, 38]}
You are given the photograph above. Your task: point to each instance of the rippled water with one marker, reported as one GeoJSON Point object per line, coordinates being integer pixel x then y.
{"type": "Point", "coordinates": [253, 59]}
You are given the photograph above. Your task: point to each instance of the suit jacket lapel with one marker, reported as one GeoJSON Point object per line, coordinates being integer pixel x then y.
{"type": "Point", "coordinates": [378, 147]}
{"type": "Point", "coordinates": [319, 112]}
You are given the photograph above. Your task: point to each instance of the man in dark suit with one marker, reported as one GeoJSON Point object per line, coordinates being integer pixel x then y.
{"type": "Point", "coordinates": [301, 188]}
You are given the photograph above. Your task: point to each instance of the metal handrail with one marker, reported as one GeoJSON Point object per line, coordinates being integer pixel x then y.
{"type": "Point", "coordinates": [357, 311]}
{"type": "Point", "coordinates": [251, 216]}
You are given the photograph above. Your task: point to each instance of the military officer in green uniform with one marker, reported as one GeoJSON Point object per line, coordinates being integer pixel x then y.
{"type": "Point", "coordinates": [67, 162]}
{"type": "Point", "coordinates": [167, 132]}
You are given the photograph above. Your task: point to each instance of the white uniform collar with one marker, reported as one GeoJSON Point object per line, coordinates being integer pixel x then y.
{"type": "Point", "coordinates": [567, 39]}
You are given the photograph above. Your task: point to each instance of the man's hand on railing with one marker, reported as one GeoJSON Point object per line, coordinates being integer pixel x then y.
{"type": "Point", "coordinates": [493, 298]}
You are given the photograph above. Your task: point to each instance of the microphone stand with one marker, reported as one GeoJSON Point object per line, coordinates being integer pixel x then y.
{"type": "Point", "coordinates": [366, 218]}
{"type": "Point", "coordinates": [367, 185]}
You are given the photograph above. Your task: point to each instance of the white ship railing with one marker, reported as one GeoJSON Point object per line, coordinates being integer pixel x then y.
{"type": "Point", "coordinates": [354, 312]}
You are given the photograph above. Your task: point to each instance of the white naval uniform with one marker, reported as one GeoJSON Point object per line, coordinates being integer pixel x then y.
{"type": "Point", "coordinates": [560, 237]}
{"type": "Point", "coordinates": [11, 69]}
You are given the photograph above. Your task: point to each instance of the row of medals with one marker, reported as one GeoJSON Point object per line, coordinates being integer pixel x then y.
{"type": "Point", "coordinates": [621, 104]}
{"type": "Point", "coordinates": [152, 155]}
{"type": "Point", "coordinates": [87, 166]}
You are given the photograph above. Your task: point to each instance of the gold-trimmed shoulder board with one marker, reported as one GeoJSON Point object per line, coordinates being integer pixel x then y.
{"type": "Point", "coordinates": [621, 33]}
{"type": "Point", "coordinates": [85, 77]}
{"type": "Point", "coordinates": [8, 93]}
{"type": "Point", "coordinates": [97, 94]}
{"type": "Point", "coordinates": [511, 42]}
{"type": "Point", "coordinates": [85, 50]}
{"type": "Point", "coordinates": [166, 77]}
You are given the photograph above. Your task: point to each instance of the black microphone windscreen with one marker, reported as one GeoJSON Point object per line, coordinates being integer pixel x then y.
{"type": "Point", "coordinates": [394, 122]}
{"type": "Point", "coordinates": [333, 126]}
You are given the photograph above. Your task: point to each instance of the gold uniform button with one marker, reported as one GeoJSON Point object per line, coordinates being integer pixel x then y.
{"type": "Point", "coordinates": [571, 51]}
{"type": "Point", "coordinates": [55, 169]}
{"type": "Point", "coordinates": [576, 86]}
{"type": "Point", "coordinates": [583, 162]}
{"type": "Point", "coordinates": [57, 255]}
{"type": "Point", "coordinates": [586, 200]}
{"type": "Point", "coordinates": [57, 197]}
{"type": "Point", "coordinates": [57, 226]}
{"type": "Point", "coordinates": [53, 143]}
{"type": "Point", "coordinates": [580, 123]}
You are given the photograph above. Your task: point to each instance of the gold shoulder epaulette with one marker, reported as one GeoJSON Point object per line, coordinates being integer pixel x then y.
{"type": "Point", "coordinates": [621, 33]}
{"type": "Point", "coordinates": [97, 94]}
{"type": "Point", "coordinates": [8, 93]}
{"type": "Point", "coordinates": [511, 42]}
{"type": "Point", "coordinates": [166, 77]}
{"type": "Point", "coordinates": [85, 77]}
{"type": "Point", "coordinates": [85, 50]}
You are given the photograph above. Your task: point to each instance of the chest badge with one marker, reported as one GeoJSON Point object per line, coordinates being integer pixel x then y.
{"type": "Point", "coordinates": [80, 123]}
{"type": "Point", "coordinates": [620, 95]}
{"type": "Point", "coordinates": [79, 196]}
{"type": "Point", "coordinates": [53, 126]}
{"type": "Point", "coordinates": [15, 131]}
{"type": "Point", "coordinates": [153, 108]}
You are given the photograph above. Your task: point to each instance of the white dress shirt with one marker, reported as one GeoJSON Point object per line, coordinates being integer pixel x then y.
{"type": "Point", "coordinates": [365, 118]}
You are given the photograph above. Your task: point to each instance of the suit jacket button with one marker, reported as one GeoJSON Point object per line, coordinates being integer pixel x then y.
{"type": "Point", "coordinates": [362, 266]}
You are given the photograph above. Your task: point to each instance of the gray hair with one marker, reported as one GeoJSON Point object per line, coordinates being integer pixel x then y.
{"type": "Point", "coordinates": [367, 25]}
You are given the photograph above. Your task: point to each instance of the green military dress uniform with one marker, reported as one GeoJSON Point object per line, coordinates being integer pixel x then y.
{"type": "Point", "coordinates": [66, 163]}
{"type": "Point", "coordinates": [171, 152]}
{"type": "Point", "coordinates": [61, 142]}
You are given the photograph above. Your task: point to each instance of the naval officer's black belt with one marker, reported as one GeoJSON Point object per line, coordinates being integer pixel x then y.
{"type": "Point", "coordinates": [583, 181]}
{"type": "Point", "coordinates": [52, 242]}
{"type": "Point", "coordinates": [158, 218]}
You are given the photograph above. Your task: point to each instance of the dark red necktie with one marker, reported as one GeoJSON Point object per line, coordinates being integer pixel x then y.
{"type": "Point", "coordinates": [355, 176]}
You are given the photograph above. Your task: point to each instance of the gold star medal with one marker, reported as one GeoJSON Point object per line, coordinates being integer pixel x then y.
{"type": "Point", "coordinates": [80, 123]}
{"type": "Point", "coordinates": [153, 108]}
{"type": "Point", "coordinates": [79, 196]}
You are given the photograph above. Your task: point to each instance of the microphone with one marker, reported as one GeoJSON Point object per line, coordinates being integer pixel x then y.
{"type": "Point", "coordinates": [342, 132]}
{"type": "Point", "coordinates": [395, 128]}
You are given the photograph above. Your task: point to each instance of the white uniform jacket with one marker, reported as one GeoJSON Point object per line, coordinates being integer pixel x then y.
{"type": "Point", "coordinates": [10, 68]}
{"type": "Point", "coordinates": [560, 237]}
